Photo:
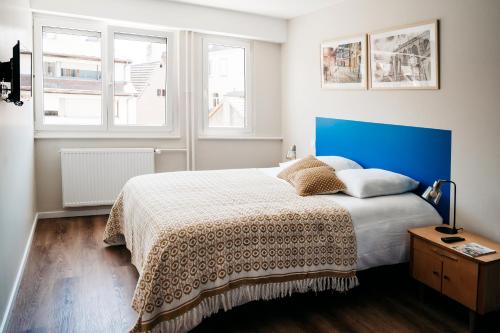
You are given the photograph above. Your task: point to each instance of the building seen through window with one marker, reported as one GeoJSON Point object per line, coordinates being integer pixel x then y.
{"type": "Point", "coordinates": [226, 86]}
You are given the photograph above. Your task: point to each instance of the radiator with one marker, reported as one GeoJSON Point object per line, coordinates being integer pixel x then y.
{"type": "Point", "coordinates": [94, 177]}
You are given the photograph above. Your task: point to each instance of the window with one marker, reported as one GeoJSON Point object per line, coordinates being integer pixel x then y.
{"type": "Point", "coordinates": [72, 83]}
{"type": "Point", "coordinates": [226, 86]}
{"type": "Point", "coordinates": [93, 77]}
{"type": "Point", "coordinates": [140, 80]}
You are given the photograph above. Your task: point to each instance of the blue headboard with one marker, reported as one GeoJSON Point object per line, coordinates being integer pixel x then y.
{"type": "Point", "coordinates": [423, 154]}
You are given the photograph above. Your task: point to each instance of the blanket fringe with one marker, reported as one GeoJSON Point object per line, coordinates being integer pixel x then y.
{"type": "Point", "coordinates": [248, 293]}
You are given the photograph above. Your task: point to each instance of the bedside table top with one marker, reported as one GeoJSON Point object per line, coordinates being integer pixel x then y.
{"type": "Point", "coordinates": [431, 235]}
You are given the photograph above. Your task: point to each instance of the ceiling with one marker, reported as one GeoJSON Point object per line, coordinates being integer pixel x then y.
{"type": "Point", "coordinates": [284, 9]}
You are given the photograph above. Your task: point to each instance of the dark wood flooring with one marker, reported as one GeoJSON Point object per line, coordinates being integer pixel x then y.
{"type": "Point", "coordinates": [74, 283]}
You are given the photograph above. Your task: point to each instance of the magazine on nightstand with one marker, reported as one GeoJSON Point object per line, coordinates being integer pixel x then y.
{"type": "Point", "coordinates": [473, 249]}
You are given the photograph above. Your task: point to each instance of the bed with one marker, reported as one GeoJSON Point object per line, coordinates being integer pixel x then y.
{"type": "Point", "coordinates": [209, 240]}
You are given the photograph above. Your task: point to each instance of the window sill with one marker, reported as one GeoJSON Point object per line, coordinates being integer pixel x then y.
{"type": "Point", "coordinates": [103, 135]}
{"type": "Point", "coordinates": [257, 138]}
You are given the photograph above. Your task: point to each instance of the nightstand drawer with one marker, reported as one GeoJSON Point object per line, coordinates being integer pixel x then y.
{"type": "Point", "coordinates": [423, 246]}
{"type": "Point", "coordinates": [429, 248]}
{"type": "Point", "coordinates": [427, 268]}
{"type": "Point", "coordinates": [460, 279]}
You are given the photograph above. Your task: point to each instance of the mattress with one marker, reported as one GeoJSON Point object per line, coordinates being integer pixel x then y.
{"type": "Point", "coordinates": [381, 224]}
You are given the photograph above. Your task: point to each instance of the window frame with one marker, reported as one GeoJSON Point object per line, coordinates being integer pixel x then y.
{"type": "Point", "coordinates": [64, 24]}
{"type": "Point", "coordinates": [247, 130]}
{"type": "Point", "coordinates": [107, 127]}
{"type": "Point", "coordinates": [170, 83]}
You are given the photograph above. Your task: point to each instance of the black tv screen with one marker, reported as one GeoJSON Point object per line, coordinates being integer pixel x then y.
{"type": "Point", "coordinates": [15, 83]}
{"type": "Point", "coordinates": [16, 76]}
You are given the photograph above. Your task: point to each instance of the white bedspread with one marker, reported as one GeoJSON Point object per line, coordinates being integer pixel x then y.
{"type": "Point", "coordinates": [381, 224]}
{"type": "Point", "coordinates": [209, 240]}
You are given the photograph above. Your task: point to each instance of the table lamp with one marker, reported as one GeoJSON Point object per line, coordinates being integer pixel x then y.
{"type": "Point", "coordinates": [433, 195]}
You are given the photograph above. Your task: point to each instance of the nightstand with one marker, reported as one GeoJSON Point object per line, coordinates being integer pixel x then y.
{"type": "Point", "coordinates": [473, 282]}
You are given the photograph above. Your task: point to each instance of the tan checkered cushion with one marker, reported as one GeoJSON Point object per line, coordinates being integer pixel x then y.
{"type": "Point", "coordinates": [307, 162]}
{"type": "Point", "coordinates": [318, 180]}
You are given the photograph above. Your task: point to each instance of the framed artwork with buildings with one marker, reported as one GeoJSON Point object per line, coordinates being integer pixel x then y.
{"type": "Point", "coordinates": [343, 63]}
{"type": "Point", "coordinates": [405, 57]}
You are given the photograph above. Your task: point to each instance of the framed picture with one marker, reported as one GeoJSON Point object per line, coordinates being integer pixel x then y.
{"type": "Point", "coordinates": [405, 57]}
{"type": "Point", "coordinates": [343, 63]}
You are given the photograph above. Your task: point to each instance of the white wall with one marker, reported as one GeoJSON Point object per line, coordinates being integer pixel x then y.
{"type": "Point", "coordinates": [174, 15]}
{"type": "Point", "coordinates": [17, 202]}
{"type": "Point", "coordinates": [468, 102]}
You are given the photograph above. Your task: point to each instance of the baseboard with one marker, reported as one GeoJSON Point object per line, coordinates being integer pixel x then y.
{"type": "Point", "coordinates": [72, 213]}
{"type": "Point", "coordinates": [17, 281]}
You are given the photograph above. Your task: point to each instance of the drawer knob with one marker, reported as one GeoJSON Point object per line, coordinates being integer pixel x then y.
{"type": "Point", "coordinates": [435, 273]}
{"type": "Point", "coordinates": [446, 277]}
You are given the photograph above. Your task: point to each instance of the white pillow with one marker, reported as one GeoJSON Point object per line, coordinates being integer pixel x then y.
{"type": "Point", "coordinates": [336, 162]}
{"type": "Point", "coordinates": [365, 183]}
{"type": "Point", "coordinates": [339, 162]}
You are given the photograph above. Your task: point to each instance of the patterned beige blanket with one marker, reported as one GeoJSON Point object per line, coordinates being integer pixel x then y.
{"type": "Point", "coordinates": [208, 240]}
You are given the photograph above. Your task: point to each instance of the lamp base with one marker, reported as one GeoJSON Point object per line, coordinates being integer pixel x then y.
{"type": "Point", "coordinates": [446, 230]}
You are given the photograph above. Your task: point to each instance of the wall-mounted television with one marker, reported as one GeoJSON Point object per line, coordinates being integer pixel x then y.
{"type": "Point", "coordinates": [16, 77]}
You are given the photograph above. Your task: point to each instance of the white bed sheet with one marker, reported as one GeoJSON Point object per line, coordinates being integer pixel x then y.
{"type": "Point", "coordinates": [381, 224]}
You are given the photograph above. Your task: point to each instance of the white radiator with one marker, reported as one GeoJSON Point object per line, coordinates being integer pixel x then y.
{"type": "Point", "coordinates": [93, 177]}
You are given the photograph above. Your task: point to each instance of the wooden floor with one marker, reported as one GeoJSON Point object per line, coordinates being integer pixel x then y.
{"type": "Point", "coordinates": [73, 283]}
